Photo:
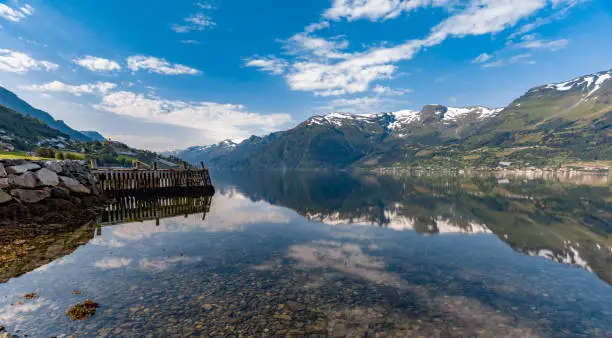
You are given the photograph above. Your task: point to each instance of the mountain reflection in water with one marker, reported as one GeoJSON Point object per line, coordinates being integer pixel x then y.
{"type": "Point", "coordinates": [277, 254]}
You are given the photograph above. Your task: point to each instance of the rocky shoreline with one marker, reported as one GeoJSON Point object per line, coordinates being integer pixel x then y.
{"type": "Point", "coordinates": [47, 192]}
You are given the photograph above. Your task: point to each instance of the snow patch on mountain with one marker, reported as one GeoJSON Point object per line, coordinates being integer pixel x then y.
{"type": "Point", "coordinates": [403, 117]}
{"type": "Point", "coordinates": [452, 113]}
{"type": "Point", "coordinates": [590, 83]}
{"type": "Point", "coordinates": [446, 226]}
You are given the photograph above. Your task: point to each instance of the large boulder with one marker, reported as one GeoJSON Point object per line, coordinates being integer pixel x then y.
{"type": "Point", "coordinates": [30, 196]}
{"type": "Point", "coordinates": [54, 165]}
{"type": "Point", "coordinates": [26, 180]}
{"type": "Point", "coordinates": [4, 197]}
{"type": "Point", "coordinates": [74, 185]}
{"type": "Point", "coordinates": [20, 169]}
{"type": "Point", "coordinates": [4, 182]}
{"type": "Point", "coordinates": [47, 177]}
{"type": "Point", "coordinates": [3, 172]}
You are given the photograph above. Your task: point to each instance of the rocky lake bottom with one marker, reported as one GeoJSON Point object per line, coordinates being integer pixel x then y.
{"type": "Point", "coordinates": [300, 256]}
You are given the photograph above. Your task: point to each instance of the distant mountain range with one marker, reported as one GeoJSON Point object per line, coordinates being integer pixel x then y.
{"type": "Point", "coordinates": [549, 125]}
{"type": "Point", "coordinates": [93, 135]}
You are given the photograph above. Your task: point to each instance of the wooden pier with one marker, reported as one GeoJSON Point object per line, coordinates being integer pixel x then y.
{"type": "Point", "coordinates": [110, 180]}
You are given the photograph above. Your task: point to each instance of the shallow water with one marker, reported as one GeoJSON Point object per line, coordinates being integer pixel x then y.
{"type": "Point", "coordinates": [332, 254]}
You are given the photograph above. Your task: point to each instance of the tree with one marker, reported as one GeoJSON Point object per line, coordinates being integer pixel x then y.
{"type": "Point", "coordinates": [45, 152]}
{"type": "Point", "coordinates": [59, 155]}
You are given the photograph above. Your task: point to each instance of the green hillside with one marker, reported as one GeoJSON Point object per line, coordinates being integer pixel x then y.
{"type": "Point", "coordinates": [24, 132]}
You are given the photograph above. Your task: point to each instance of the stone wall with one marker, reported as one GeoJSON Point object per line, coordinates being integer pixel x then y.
{"type": "Point", "coordinates": [47, 192]}
{"type": "Point", "coordinates": [34, 181]}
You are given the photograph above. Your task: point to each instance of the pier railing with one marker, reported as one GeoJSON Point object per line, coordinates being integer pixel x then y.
{"type": "Point", "coordinates": [119, 179]}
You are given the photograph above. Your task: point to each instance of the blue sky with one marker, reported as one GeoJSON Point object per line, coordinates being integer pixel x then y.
{"type": "Point", "coordinates": [165, 75]}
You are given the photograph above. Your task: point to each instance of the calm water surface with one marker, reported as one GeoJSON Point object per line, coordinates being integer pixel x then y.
{"type": "Point", "coordinates": [329, 254]}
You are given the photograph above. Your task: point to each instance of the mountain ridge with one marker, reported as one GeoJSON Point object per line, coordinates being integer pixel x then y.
{"type": "Point", "coordinates": [547, 125]}
{"type": "Point", "coordinates": [13, 101]}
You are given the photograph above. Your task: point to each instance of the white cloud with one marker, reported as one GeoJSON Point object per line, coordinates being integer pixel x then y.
{"type": "Point", "coordinates": [328, 80]}
{"type": "Point", "coordinates": [382, 90]}
{"type": "Point", "coordinates": [482, 58]}
{"type": "Point", "coordinates": [196, 22]}
{"type": "Point", "coordinates": [205, 5]}
{"type": "Point", "coordinates": [326, 71]}
{"type": "Point", "coordinates": [375, 10]}
{"type": "Point", "coordinates": [493, 64]}
{"type": "Point", "coordinates": [112, 263]}
{"type": "Point", "coordinates": [364, 104]}
{"type": "Point", "coordinates": [97, 64]}
{"type": "Point", "coordinates": [219, 121]}
{"type": "Point", "coordinates": [159, 265]}
{"type": "Point", "coordinates": [15, 15]}
{"type": "Point", "coordinates": [269, 64]}
{"type": "Point", "coordinates": [552, 45]}
{"type": "Point", "coordinates": [16, 62]}
{"type": "Point", "coordinates": [57, 86]}
{"type": "Point", "coordinates": [308, 46]}
{"type": "Point", "coordinates": [27, 9]}
{"type": "Point", "coordinates": [520, 57]}
{"type": "Point", "coordinates": [189, 42]}
{"type": "Point", "coordinates": [159, 66]}
{"type": "Point", "coordinates": [316, 26]}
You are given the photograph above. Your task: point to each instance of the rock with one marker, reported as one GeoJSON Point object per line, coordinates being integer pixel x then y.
{"type": "Point", "coordinates": [74, 185]}
{"type": "Point", "coordinates": [20, 169]}
{"type": "Point", "coordinates": [4, 197]}
{"type": "Point", "coordinates": [2, 171]}
{"type": "Point", "coordinates": [27, 180]}
{"type": "Point", "coordinates": [4, 182]}
{"type": "Point", "coordinates": [60, 192]}
{"type": "Point", "coordinates": [30, 196]}
{"type": "Point", "coordinates": [47, 177]}
{"type": "Point", "coordinates": [54, 165]}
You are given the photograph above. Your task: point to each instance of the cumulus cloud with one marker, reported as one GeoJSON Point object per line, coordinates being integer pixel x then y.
{"type": "Point", "coordinates": [57, 86]}
{"type": "Point", "coordinates": [219, 120]}
{"type": "Point", "coordinates": [269, 64]}
{"type": "Point", "coordinates": [17, 62]}
{"type": "Point", "coordinates": [196, 22]}
{"type": "Point", "coordinates": [97, 64]}
{"type": "Point", "coordinates": [159, 66]}
{"type": "Point", "coordinates": [15, 15]}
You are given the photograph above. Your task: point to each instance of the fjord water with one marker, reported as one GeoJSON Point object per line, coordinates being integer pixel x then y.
{"type": "Point", "coordinates": [332, 254]}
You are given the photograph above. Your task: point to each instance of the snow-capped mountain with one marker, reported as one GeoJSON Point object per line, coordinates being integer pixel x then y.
{"type": "Point", "coordinates": [198, 153]}
{"type": "Point", "coordinates": [399, 120]}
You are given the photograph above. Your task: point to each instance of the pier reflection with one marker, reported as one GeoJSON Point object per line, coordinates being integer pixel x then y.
{"type": "Point", "coordinates": [154, 204]}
